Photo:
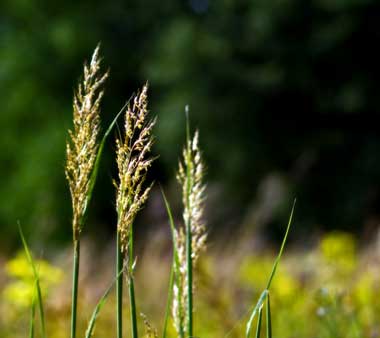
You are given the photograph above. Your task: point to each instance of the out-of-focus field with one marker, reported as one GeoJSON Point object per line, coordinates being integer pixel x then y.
{"type": "Point", "coordinates": [329, 290]}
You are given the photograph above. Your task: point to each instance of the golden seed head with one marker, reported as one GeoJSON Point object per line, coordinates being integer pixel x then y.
{"type": "Point", "coordinates": [133, 162]}
{"type": "Point", "coordinates": [82, 146]}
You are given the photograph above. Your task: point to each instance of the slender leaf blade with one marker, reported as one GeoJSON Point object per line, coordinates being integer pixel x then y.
{"type": "Point", "coordinates": [95, 170]}
{"type": "Point", "coordinates": [98, 307]}
{"type": "Point", "coordinates": [268, 318]}
{"type": "Point", "coordinates": [32, 312]}
{"type": "Point", "coordinates": [256, 309]}
{"type": "Point", "coordinates": [258, 327]}
{"type": "Point", "coordinates": [278, 258]}
{"type": "Point", "coordinates": [174, 263]}
{"type": "Point", "coordinates": [37, 281]}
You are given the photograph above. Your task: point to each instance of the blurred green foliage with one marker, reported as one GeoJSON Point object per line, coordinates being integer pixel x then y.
{"type": "Point", "coordinates": [285, 86]}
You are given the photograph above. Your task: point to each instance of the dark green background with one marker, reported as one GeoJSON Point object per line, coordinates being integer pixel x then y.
{"type": "Point", "coordinates": [278, 88]}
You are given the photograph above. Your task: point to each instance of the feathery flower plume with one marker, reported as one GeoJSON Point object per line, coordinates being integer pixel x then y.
{"type": "Point", "coordinates": [81, 149]}
{"type": "Point", "coordinates": [190, 176]}
{"type": "Point", "coordinates": [133, 163]}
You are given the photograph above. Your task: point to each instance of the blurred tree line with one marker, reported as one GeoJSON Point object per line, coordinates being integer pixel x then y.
{"type": "Point", "coordinates": [278, 88]}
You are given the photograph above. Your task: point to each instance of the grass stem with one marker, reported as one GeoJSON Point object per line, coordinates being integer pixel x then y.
{"type": "Point", "coordinates": [189, 282]}
{"type": "Point", "coordinates": [119, 287]}
{"type": "Point", "coordinates": [189, 261]}
{"type": "Point", "coordinates": [132, 300]}
{"type": "Point", "coordinates": [74, 295]}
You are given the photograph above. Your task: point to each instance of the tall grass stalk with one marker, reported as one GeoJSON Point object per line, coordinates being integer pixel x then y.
{"type": "Point", "coordinates": [82, 159]}
{"type": "Point", "coordinates": [74, 295]}
{"type": "Point", "coordinates": [132, 300]}
{"type": "Point", "coordinates": [189, 258]}
{"type": "Point", "coordinates": [133, 162]}
{"type": "Point", "coordinates": [119, 287]}
{"type": "Point", "coordinates": [189, 264]}
{"type": "Point", "coordinates": [190, 239]}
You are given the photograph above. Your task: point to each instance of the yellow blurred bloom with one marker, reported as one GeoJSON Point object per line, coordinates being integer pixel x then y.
{"type": "Point", "coordinates": [20, 290]}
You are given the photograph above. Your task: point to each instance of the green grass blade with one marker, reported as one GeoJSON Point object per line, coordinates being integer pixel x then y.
{"type": "Point", "coordinates": [268, 318]}
{"type": "Point", "coordinates": [98, 307]}
{"type": "Point", "coordinates": [259, 319]}
{"type": "Point", "coordinates": [37, 281]}
{"type": "Point", "coordinates": [32, 312]}
{"type": "Point", "coordinates": [256, 309]}
{"type": "Point", "coordinates": [282, 247]}
{"type": "Point", "coordinates": [168, 302]}
{"type": "Point", "coordinates": [172, 268]}
{"type": "Point", "coordinates": [95, 170]}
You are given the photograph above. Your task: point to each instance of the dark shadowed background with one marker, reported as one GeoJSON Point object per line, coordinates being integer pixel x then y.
{"type": "Point", "coordinates": [284, 92]}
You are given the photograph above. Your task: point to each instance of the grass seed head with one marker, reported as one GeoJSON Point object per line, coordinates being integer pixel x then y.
{"type": "Point", "coordinates": [133, 162]}
{"type": "Point", "coordinates": [82, 146]}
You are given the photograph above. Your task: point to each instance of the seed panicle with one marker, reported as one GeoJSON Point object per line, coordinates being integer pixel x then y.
{"type": "Point", "coordinates": [82, 146]}
{"type": "Point", "coordinates": [133, 162]}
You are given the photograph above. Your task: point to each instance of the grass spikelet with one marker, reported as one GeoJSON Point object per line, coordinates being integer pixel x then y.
{"type": "Point", "coordinates": [133, 162]}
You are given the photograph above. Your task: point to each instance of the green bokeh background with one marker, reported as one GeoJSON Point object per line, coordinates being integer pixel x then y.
{"type": "Point", "coordinates": [279, 88]}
